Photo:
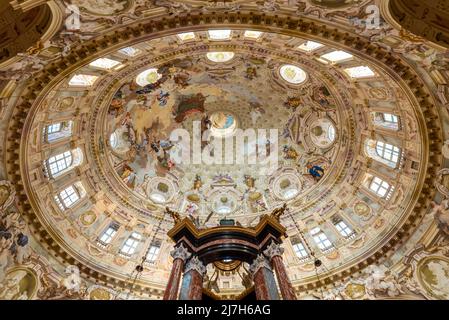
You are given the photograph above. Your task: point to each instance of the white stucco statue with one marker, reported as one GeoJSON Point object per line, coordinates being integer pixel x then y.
{"type": "Point", "coordinates": [442, 215]}
{"type": "Point", "coordinates": [381, 281]}
{"type": "Point", "coordinates": [5, 244]}
{"type": "Point", "coordinates": [11, 287]}
{"type": "Point", "coordinates": [72, 281]}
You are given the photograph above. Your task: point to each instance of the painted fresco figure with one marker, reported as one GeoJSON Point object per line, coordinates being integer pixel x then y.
{"type": "Point", "coordinates": [315, 171]}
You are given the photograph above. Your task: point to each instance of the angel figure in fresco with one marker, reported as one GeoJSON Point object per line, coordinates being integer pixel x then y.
{"type": "Point", "coordinates": [290, 153]}
{"type": "Point", "coordinates": [315, 171]}
{"type": "Point", "coordinates": [251, 72]}
{"type": "Point", "coordinates": [162, 97]}
{"type": "Point", "coordinates": [163, 156]}
{"type": "Point", "coordinates": [197, 184]}
{"type": "Point", "coordinates": [293, 102]}
{"type": "Point", "coordinates": [128, 176]}
{"type": "Point", "coordinates": [206, 124]}
{"type": "Point", "coordinates": [256, 111]}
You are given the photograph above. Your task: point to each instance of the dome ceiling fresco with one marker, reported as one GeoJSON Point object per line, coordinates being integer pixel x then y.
{"type": "Point", "coordinates": [229, 118]}
{"type": "Point", "coordinates": [137, 110]}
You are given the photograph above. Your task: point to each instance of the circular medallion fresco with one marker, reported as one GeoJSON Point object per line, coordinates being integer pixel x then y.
{"type": "Point", "coordinates": [19, 284]}
{"type": "Point", "coordinates": [433, 274]}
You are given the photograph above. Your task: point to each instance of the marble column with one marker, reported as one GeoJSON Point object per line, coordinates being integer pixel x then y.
{"type": "Point", "coordinates": [274, 253]}
{"type": "Point", "coordinates": [192, 282]}
{"type": "Point", "coordinates": [180, 255]}
{"type": "Point", "coordinates": [264, 283]}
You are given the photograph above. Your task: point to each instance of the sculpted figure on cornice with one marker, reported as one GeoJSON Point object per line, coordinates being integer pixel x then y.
{"type": "Point", "coordinates": [24, 68]}
{"type": "Point", "coordinates": [441, 215]}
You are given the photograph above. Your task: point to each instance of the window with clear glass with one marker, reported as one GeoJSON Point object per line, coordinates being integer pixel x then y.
{"type": "Point", "coordinates": [252, 34]}
{"type": "Point", "coordinates": [387, 151]}
{"type": "Point", "coordinates": [186, 36]}
{"type": "Point", "coordinates": [68, 197]}
{"type": "Point", "coordinates": [360, 72]}
{"type": "Point", "coordinates": [320, 239]}
{"type": "Point", "coordinates": [105, 64]}
{"type": "Point", "coordinates": [300, 250]}
{"type": "Point", "coordinates": [130, 51]}
{"type": "Point", "coordinates": [58, 130]}
{"type": "Point", "coordinates": [56, 127]}
{"type": "Point", "coordinates": [109, 234]}
{"type": "Point", "coordinates": [82, 80]}
{"type": "Point", "coordinates": [388, 117]}
{"type": "Point", "coordinates": [130, 245]}
{"type": "Point", "coordinates": [336, 56]}
{"type": "Point", "coordinates": [59, 163]}
{"type": "Point", "coordinates": [219, 34]}
{"type": "Point", "coordinates": [344, 229]}
{"type": "Point", "coordinates": [310, 46]}
{"type": "Point", "coordinates": [386, 120]}
{"type": "Point", "coordinates": [153, 251]}
{"type": "Point", "coordinates": [379, 187]}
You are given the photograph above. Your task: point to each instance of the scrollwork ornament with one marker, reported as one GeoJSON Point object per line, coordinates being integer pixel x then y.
{"type": "Point", "coordinates": [180, 252]}
{"type": "Point", "coordinates": [259, 262]}
{"type": "Point", "coordinates": [273, 250]}
{"type": "Point", "coordinates": [195, 264]}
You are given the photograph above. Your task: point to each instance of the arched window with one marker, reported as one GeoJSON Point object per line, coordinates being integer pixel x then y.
{"type": "Point", "coordinates": [252, 34]}
{"type": "Point", "coordinates": [386, 120]}
{"type": "Point", "coordinates": [186, 36]}
{"type": "Point", "coordinates": [388, 152]}
{"type": "Point", "coordinates": [82, 80]}
{"type": "Point", "coordinates": [219, 34]}
{"type": "Point", "coordinates": [106, 64]}
{"type": "Point", "coordinates": [153, 252]}
{"type": "Point", "coordinates": [321, 239]}
{"type": "Point", "coordinates": [130, 245]}
{"type": "Point", "coordinates": [70, 195]}
{"type": "Point", "coordinates": [336, 56]}
{"type": "Point", "coordinates": [310, 46]}
{"type": "Point", "coordinates": [108, 234]}
{"type": "Point", "coordinates": [379, 187]}
{"type": "Point", "coordinates": [58, 130]}
{"type": "Point", "coordinates": [360, 72]}
{"type": "Point", "coordinates": [344, 229]}
{"type": "Point", "coordinates": [300, 250]}
{"type": "Point", "coordinates": [63, 162]}
{"type": "Point", "coordinates": [383, 152]}
{"type": "Point", "coordinates": [59, 163]}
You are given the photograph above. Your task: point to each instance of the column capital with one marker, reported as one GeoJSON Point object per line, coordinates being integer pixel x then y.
{"type": "Point", "coordinates": [180, 252]}
{"type": "Point", "coordinates": [195, 264]}
{"type": "Point", "coordinates": [273, 250]}
{"type": "Point", "coordinates": [259, 262]}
